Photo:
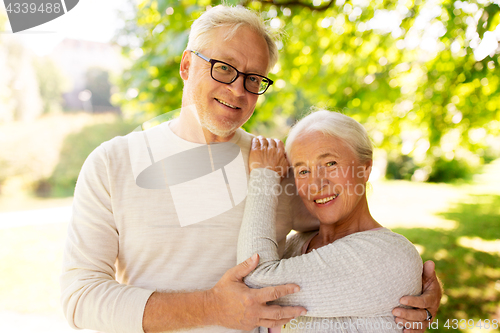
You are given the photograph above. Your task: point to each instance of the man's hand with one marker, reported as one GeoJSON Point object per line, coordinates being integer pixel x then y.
{"type": "Point", "coordinates": [268, 153]}
{"type": "Point", "coordinates": [234, 305]}
{"type": "Point", "coordinates": [430, 299]}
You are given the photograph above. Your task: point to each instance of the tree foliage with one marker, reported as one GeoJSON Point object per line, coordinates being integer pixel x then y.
{"type": "Point", "coordinates": [422, 76]}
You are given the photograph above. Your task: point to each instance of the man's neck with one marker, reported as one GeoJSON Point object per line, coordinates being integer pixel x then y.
{"type": "Point", "coordinates": [187, 127]}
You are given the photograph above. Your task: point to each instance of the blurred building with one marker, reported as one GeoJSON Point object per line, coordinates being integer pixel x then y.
{"type": "Point", "coordinates": [77, 58]}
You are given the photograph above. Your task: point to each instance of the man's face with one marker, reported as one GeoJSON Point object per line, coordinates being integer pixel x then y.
{"type": "Point", "coordinates": [223, 108]}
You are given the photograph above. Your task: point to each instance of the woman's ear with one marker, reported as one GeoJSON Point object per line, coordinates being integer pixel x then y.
{"type": "Point", "coordinates": [185, 64]}
{"type": "Point", "coordinates": [368, 169]}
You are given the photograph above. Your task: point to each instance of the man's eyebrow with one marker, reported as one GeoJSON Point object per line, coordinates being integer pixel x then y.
{"type": "Point", "coordinates": [230, 60]}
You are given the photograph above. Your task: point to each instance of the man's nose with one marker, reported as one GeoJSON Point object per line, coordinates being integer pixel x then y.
{"type": "Point", "coordinates": [237, 87]}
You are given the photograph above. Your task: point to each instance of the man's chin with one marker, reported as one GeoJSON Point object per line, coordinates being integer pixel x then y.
{"type": "Point", "coordinates": [220, 130]}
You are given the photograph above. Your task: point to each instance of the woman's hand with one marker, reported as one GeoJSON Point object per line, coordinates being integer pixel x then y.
{"type": "Point", "coordinates": [268, 153]}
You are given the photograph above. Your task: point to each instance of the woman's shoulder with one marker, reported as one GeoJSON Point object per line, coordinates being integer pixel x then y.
{"type": "Point", "coordinates": [383, 242]}
{"type": "Point", "coordinates": [381, 234]}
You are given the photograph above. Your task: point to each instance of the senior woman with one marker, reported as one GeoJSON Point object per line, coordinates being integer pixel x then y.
{"type": "Point", "coordinates": [353, 271]}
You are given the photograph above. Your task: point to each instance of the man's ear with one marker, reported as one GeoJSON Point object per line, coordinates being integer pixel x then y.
{"type": "Point", "coordinates": [185, 64]}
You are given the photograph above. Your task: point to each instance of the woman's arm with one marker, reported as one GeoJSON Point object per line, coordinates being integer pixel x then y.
{"type": "Point", "coordinates": [363, 274]}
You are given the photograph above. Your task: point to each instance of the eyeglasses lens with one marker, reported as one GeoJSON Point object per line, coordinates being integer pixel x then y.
{"type": "Point", "coordinates": [225, 73]}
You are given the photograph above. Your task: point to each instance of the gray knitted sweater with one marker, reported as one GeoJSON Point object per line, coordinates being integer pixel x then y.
{"type": "Point", "coordinates": [350, 285]}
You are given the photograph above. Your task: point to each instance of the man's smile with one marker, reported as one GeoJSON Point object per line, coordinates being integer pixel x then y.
{"type": "Point", "coordinates": [227, 104]}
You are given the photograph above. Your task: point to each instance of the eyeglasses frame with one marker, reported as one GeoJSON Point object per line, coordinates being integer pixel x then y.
{"type": "Point", "coordinates": [238, 73]}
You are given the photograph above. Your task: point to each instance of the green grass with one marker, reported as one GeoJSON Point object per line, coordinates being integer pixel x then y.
{"type": "Point", "coordinates": [469, 270]}
{"type": "Point", "coordinates": [458, 227]}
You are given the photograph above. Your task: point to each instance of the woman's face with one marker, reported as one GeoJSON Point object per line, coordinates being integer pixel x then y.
{"type": "Point", "coordinates": [330, 179]}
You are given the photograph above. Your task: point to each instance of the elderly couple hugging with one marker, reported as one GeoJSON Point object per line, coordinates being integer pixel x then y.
{"type": "Point", "coordinates": [130, 266]}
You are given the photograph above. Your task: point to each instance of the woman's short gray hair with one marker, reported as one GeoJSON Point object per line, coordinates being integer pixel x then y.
{"type": "Point", "coordinates": [232, 18]}
{"type": "Point", "coordinates": [337, 125]}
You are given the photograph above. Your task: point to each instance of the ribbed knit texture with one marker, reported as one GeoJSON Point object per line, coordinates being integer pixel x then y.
{"type": "Point", "coordinates": [358, 277]}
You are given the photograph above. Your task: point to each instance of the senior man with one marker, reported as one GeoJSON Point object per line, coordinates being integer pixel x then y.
{"type": "Point", "coordinates": [130, 263]}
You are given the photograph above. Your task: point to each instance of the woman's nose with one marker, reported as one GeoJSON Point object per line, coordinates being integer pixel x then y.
{"type": "Point", "coordinates": [317, 181]}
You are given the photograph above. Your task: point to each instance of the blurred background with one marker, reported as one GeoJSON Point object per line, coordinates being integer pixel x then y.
{"type": "Point", "coordinates": [422, 76]}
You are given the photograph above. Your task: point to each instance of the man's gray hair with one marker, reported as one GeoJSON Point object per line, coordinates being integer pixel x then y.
{"type": "Point", "coordinates": [231, 18]}
{"type": "Point", "coordinates": [336, 125]}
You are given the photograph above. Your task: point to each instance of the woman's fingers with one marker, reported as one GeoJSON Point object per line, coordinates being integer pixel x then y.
{"type": "Point", "coordinates": [271, 143]}
{"type": "Point", "coordinates": [263, 142]}
{"type": "Point", "coordinates": [255, 143]}
{"type": "Point", "coordinates": [279, 144]}
{"type": "Point", "coordinates": [268, 153]}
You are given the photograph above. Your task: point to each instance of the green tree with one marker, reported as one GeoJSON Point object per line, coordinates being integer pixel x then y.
{"type": "Point", "coordinates": [422, 76]}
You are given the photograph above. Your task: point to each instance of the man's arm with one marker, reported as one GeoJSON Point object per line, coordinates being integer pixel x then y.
{"type": "Point", "coordinates": [92, 298]}
{"type": "Point", "coordinates": [230, 303]}
{"type": "Point", "coordinates": [430, 300]}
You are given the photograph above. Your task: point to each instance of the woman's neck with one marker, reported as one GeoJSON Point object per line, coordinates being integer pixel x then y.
{"type": "Point", "coordinates": [359, 220]}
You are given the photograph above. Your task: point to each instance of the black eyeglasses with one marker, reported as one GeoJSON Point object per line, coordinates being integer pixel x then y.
{"type": "Point", "coordinates": [225, 73]}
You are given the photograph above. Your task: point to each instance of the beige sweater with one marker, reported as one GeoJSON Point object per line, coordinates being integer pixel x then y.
{"type": "Point", "coordinates": [126, 241]}
{"type": "Point", "coordinates": [358, 278]}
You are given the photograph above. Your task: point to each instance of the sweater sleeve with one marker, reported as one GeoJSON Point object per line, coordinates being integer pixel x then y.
{"type": "Point", "coordinates": [90, 295]}
{"type": "Point", "coordinates": [363, 274]}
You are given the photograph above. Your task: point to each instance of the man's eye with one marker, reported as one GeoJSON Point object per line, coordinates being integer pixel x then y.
{"type": "Point", "coordinates": [302, 172]}
{"type": "Point", "coordinates": [254, 80]}
{"type": "Point", "coordinates": [331, 163]}
{"type": "Point", "coordinates": [224, 67]}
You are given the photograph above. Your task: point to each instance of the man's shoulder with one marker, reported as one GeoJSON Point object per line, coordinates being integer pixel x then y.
{"type": "Point", "coordinates": [247, 134]}
{"type": "Point", "coordinates": [244, 139]}
{"type": "Point", "coordinates": [157, 141]}
{"type": "Point", "coordinates": [119, 145]}
{"type": "Point", "coordinates": [152, 136]}
{"type": "Point", "coordinates": [117, 142]}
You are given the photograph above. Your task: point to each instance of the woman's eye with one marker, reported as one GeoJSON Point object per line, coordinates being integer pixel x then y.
{"type": "Point", "coordinates": [331, 163]}
{"type": "Point", "coordinates": [302, 172]}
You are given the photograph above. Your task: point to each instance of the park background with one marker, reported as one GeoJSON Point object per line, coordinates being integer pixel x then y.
{"type": "Point", "coordinates": [422, 76]}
